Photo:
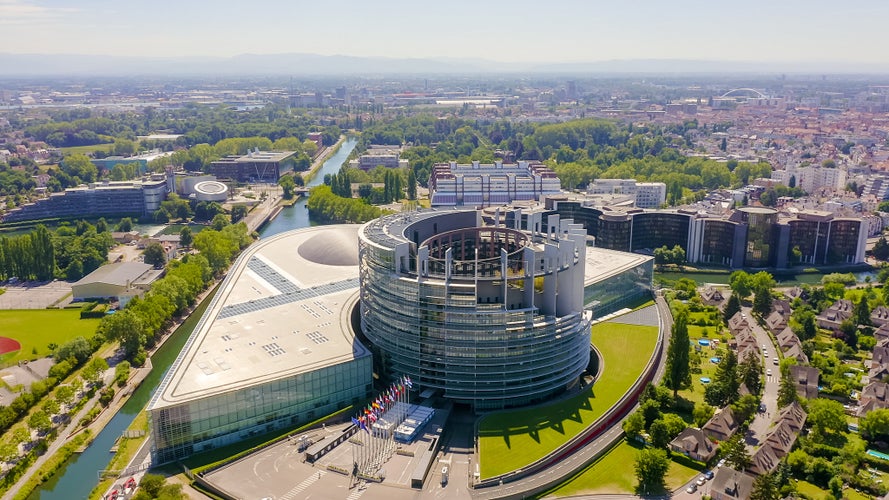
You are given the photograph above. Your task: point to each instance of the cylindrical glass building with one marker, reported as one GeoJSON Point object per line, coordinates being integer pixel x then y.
{"type": "Point", "coordinates": [491, 316]}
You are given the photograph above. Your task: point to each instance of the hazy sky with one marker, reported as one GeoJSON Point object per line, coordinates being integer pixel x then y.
{"type": "Point", "coordinates": [853, 31]}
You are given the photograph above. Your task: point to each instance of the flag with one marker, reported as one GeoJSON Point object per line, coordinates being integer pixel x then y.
{"type": "Point", "coordinates": [407, 381]}
{"type": "Point", "coordinates": [356, 422]}
{"type": "Point", "coordinates": [362, 424]}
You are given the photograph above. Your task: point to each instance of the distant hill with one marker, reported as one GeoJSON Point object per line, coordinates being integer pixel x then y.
{"type": "Point", "coordinates": [294, 64]}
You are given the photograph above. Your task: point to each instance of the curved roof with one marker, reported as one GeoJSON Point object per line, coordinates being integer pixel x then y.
{"type": "Point", "coordinates": [281, 311]}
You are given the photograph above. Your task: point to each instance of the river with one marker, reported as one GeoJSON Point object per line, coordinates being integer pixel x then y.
{"type": "Point", "coordinates": [80, 475]}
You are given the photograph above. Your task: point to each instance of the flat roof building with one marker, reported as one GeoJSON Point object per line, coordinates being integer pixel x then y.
{"type": "Point", "coordinates": [276, 347]}
{"type": "Point", "coordinates": [476, 184]}
{"type": "Point", "coordinates": [101, 199]}
{"type": "Point", "coordinates": [255, 166]}
{"type": "Point", "coordinates": [113, 281]}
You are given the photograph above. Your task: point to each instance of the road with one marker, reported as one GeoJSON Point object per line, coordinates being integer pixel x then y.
{"type": "Point", "coordinates": [763, 420]}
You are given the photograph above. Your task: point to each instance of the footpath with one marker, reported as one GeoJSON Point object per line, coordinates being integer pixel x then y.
{"type": "Point", "coordinates": [123, 394]}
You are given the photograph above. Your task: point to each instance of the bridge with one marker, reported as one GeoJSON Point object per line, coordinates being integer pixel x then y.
{"type": "Point", "coordinates": [745, 92]}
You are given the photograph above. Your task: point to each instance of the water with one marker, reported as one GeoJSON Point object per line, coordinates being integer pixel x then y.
{"type": "Point", "coordinates": [297, 215]}
{"type": "Point", "coordinates": [79, 476]}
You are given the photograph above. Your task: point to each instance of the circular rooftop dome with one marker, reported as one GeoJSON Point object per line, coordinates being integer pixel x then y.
{"type": "Point", "coordinates": [210, 191]}
{"type": "Point", "coordinates": [332, 248]}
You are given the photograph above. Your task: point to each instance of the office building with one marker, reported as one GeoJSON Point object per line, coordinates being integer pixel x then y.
{"type": "Point", "coordinates": [479, 185]}
{"type": "Point", "coordinates": [489, 316]}
{"type": "Point", "coordinates": [105, 199]}
{"type": "Point", "coordinates": [276, 347]}
{"type": "Point", "coordinates": [255, 166]}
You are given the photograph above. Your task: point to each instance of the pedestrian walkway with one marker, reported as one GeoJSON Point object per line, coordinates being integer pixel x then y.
{"type": "Point", "coordinates": [299, 488]}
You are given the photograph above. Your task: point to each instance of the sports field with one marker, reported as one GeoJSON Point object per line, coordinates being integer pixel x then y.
{"type": "Point", "coordinates": [512, 440]}
{"type": "Point", "coordinates": [35, 329]}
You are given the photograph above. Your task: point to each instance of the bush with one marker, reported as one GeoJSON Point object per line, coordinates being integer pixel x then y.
{"type": "Point", "coordinates": [106, 396]}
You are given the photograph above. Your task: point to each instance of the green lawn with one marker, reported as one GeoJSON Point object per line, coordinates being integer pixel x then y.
{"type": "Point", "coordinates": [512, 440]}
{"type": "Point", "coordinates": [37, 328]}
{"type": "Point", "coordinates": [696, 392]}
{"type": "Point", "coordinates": [614, 474]}
{"type": "Point", "coordinates": [87, 149]}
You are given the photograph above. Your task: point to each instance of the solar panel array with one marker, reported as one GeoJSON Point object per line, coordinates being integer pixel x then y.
{"type": "Point", "coordinates": [289, 292]}
{"type": "Point", "coordinates": [317, 337]}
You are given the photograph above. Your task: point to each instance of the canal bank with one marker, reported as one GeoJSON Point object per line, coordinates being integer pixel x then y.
{"type": "Point", "coordinates": [80, 474]}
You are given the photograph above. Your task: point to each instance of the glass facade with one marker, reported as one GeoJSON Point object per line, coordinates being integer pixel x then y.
{"type": "Point", "coordinates": [655, 229]}
{"type": "Point", "coordinates": [810, 238]}
{"type": "Point", "coordinates": [207, 423]}
{"type": "Point", "coordinates": [614, 232]}
{"type": "Point", "coordinates": [761, 236]}
{"type": "Point", "coordinates": [718, 243]}
{"type": "Point", "coordinates": [622, 290]}
{"type": "Point", "coordinates": [483, 327]}
{"type": "Point", "coordinates": [843, 244]}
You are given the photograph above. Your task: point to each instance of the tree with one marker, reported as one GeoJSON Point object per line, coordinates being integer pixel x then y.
{"type": "Point", "coordinates": [125, 225]}
{"type": "Point", "coordinates": [51, 406]}
{"type": "Point", "coordinates": [39, 421]}
{"type": "Point", "coordinates": [881, 249]}
{"type": "Point", "coordinates": [125, 327]}
{"type": "Point", "coordinates": [678, 373]}
{"type": "Point", "coordinates": [725, 385]}
{"type": "Point", "coordinates": [219, 222]}
{"type": "Point", "coordinates": [94, 369]}
{"type": "Point", "coordinates": [79, 167]}
{"type": "Point", "coordinates": [155, 255]}
{"type": "Point", "coordinates": [735, 452]}
{"type": "Point", "coordinates": [288, 186]}
{"type": "Point", "coordinates": [849, 331]}
{"type": "Point", "coordinates": [826, 417]}
{"type": "Point", "coordinates": [77, 348]}
{"type": "Point", "coordinates": [732, 307]}
{"type": "Point", "coordinates": [750, 371]}
{"type": "Point", "coordinates": [874, 425]}
{"type": "Point", "coordinates": [651, 470]}
{"type": "Point", "coordinates": [186, 237]}
{"type": "Point", "coordinates": [664, 429]}
{"type": "Point", "coordinates": [411, 184]}
{"type": "Point", "coordinates": [739, 282]}
{"type": "Point", "coordinates": [787, 391]}
{"type": "Point", "coordinates": [634, 425]}
{"type": "Point", "coordinates": [862, 311]}
{"type": "Point", "coordinates": [238, 213]}
{"type": "Point", "coordinates": [745, 407]}
{"type": "Point", "coordinates": [65, 394]}
{"type": "Point", "coordinates": [765, 487]}
{"type": "Point", "coordinates": [761, 284]}
{"type": "Point", "coordinates": [702, 413]}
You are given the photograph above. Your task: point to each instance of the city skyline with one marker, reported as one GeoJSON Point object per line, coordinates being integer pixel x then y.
{"type": "Point", "coordinates": [509, 32]}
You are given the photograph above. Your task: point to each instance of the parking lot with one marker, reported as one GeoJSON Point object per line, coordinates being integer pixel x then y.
{"type": "Point", "coordinates": [35, 295]}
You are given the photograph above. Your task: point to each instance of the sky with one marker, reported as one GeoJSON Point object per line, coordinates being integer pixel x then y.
{"type": "Point", "coordinates": [500, 30]}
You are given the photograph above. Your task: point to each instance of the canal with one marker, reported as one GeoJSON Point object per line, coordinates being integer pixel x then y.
{"type": "Point", "coordinates": [80, 474]}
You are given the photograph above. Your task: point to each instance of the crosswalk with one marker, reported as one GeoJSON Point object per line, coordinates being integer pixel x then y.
{"type": "Point", "coordinates": [356, 494]}
{"type": "Point", "coordinates": [299, 488]}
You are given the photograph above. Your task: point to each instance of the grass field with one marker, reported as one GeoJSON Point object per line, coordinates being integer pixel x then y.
{"type": "Point", "coordinates": [35, 329]}
{"type": "Point", "coordinates": [87, 149]}
{"type": "Point", "coordinates": [614, 474]}
{"type": "Point", "coordinates": [512, 440]}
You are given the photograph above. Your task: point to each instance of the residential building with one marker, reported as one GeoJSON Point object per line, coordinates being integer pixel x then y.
{"type": "Point", "coordinates": [729, 484]}
{"type": "Point", "coordinates": [722, 425]}
{"type": "Point", "coordinates": [694, 444]}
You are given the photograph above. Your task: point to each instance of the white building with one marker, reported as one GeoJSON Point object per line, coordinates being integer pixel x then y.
{"type": "Point", "coordinates": [646, 194]}
{"type": "Point", "coordinates": [490, 184]}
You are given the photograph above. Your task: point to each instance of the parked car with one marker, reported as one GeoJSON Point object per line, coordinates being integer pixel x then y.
{"type": "Point", "coordinates": [708, 474]}
{"type": "Point", "coordinates": [692, 488]}
{"type": "Point", "coordinates": [701, 480]}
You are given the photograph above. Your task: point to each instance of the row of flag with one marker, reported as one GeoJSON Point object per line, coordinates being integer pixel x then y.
{"type": "Point", "coordinates": [382, 403]}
